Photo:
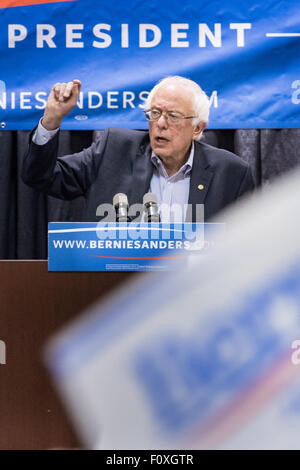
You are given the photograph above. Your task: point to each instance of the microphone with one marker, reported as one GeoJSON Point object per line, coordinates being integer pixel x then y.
{"type": "Point", "coordinates": [151, 208]}
{"type": "Point", "coordinates": [120, 203]}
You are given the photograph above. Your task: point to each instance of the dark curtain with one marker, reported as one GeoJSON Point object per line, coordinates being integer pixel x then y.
{"type": "Point", "coordinates": [24, 213]}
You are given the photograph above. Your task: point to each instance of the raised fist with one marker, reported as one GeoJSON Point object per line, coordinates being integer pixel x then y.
{"type": "Point", "coordinates": [62, 99]}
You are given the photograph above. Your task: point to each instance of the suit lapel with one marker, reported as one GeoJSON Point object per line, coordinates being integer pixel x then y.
{"type": "Point", "coordinates": [141, 174]}
{"type": "Point", "coordinates": [201, 177]}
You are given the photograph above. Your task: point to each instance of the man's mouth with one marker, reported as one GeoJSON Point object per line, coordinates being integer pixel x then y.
{"type": "Point", "coordinates": [160, 139]}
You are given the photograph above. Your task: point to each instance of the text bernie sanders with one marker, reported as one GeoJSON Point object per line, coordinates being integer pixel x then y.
{"type": "Point", "coordinates": [177, 35]}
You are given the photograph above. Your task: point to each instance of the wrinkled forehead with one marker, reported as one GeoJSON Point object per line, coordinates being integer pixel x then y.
{"type": "Point", "coordinates": [175, 97]}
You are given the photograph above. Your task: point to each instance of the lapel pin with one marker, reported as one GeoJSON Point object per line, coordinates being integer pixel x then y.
{"type": "Point", "coordinates": [200, 187]}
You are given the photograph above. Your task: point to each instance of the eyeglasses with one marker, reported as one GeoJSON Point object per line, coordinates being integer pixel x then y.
{"type": "Point", "coordinates": [170, 116]}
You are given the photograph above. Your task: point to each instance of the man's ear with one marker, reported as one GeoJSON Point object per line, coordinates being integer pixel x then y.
{"type": "Point", "coordinates": [198, 129]}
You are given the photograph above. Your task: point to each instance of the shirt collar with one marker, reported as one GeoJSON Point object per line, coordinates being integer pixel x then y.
{"type": "Point", "coordinates": [186, 167]}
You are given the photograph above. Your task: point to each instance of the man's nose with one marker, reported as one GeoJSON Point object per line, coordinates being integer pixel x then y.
{"type": "Point", "coordinates": [163, 120]}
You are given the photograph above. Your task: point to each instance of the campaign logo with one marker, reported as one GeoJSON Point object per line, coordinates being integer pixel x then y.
{"type": "Point", "coordinates": [19, 3]}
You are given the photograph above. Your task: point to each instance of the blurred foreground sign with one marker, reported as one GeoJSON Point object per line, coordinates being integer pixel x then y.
{"type": "Point", "coordinates": [201, 358]}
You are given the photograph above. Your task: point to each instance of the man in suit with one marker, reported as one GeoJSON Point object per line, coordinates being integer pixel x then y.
{"type": "Point", "coordinates": [169, 160]}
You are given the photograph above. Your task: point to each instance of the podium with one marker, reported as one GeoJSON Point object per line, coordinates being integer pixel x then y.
{"type": "Point", "coordinates": [36, 303]}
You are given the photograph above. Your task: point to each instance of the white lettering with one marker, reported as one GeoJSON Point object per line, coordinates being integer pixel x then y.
{"type": "Point", "coordinates": [215, 38]}
{"type": "Point", "coordinates": [176, 35]}
{"type": "Point", "coordinates": [240, 32]}
{"type": "Point", "coordinates": [24, 100]}
{"type": "Point", "coordinates": [3, 96]}
{"type": "Point", "coordinates": [143, 96]}
{"type": "Point", "coordinates": [128, 97]}
{"type": "Point", "coordinates": [13, 100]}
{"type": "Point", "coordinates": [111, 100]}
{"type": "Point", "coordinates": [39, 98]}
{"type": "Point", "coordinates": [143, 35]}
{"type": "Point", "coordinates": [16, 32]}
{"type": "Point", "coordinates": [106, 38]}
{"type": "Point", "coordinates": [91, 94]}
{"type": "Point", "coordinates": [45, 33]}
{"type": "Point", "coordinates": [114, 99]}
{"type": "Point", "coordinates": [124, 35]}
{"type": "Point", "coordinates": [80, 101]}
{"type": "Point", "coordinates": [71, 36]}
{"type": "Point", "coordinates": [150, 35]}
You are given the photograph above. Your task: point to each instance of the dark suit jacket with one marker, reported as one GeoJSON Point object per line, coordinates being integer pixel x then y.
{"type": "Point", "coordinates": [119, 162]}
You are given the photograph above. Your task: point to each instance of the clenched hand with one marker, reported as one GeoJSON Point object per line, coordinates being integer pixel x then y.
{"type": "Point", "coordinates": [62, 99]}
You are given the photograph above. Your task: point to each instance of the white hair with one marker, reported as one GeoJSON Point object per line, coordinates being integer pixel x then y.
{"type": "Point", "coordinates": [200, 101]}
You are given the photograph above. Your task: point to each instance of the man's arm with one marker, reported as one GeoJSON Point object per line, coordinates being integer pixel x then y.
{"type": "Point", "coordinates": [64, 177]}
{"type": "Point", "coordinates": [69, 176]}
{"type": "Point", "coordinates": [41, 135]}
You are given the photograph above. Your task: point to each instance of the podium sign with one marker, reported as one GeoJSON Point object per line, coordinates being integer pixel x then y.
{"type": "Point", "coordinates": [121, 246]}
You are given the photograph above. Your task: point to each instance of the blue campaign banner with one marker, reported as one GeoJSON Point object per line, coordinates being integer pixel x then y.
{"type": "Point", "coordinates": [90, 246]}
{"type": "Point", "coordinates": [244, 54]}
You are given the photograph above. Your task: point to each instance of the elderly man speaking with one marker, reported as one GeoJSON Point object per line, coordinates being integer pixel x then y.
{"type": "Point", "coordinates": [170, 160]}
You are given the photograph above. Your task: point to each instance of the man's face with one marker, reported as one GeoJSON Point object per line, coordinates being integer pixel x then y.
{"type": "Point", "coordinates": [173, 141]}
